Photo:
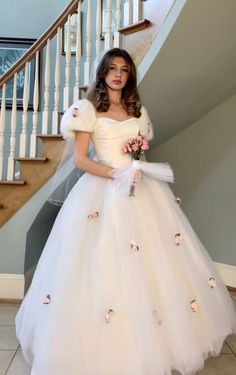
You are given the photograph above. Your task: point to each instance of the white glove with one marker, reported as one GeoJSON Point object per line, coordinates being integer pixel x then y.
{"type": "Point", "coordinates": [126, 176]}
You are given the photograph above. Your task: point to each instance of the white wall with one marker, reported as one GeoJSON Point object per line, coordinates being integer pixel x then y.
{"type": "Point", "coordinates": [204, 161]}
{"type": "Point", "coordinates": [28, 19]}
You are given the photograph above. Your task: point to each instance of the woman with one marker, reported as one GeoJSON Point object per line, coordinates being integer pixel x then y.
{"type": "Point", "coordinates": [124, 286]}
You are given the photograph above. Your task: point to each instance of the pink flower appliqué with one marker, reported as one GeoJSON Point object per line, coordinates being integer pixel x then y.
{"type": "Point", "coordinates": [178, 239]}
{"type": "Point", "coordinates": [212, 282]}
{"type": "Point", "coordinates": [157, 317]}
{"type": "Point", "coordinates": [178, 200]}
{"type": "Point", "coordinates": [134, 246]}
{"type": "Point", "coordinates": [47, 299]}
{"type": "Point", "coordinates": [93, 215]}
{"type": "Point", "coordinates": [194, 305]}
{"type": "Point", "coordinates": [108, 315]}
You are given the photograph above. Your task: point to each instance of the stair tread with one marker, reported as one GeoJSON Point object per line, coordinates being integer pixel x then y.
{"type": "Point", "coordinates": [50, 136]}
{"type": "Point", "coordinates": [31, 159]}
{"type": "Point", "coordinates": [143, 24]}
{"type": "Point", "coordinates": [83, 87]}
{"type": "Point", "coordinates": [12, 182]}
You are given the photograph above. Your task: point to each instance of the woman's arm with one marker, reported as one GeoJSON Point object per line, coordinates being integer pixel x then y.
{"type": "Point", "coordinates": [83, 162]}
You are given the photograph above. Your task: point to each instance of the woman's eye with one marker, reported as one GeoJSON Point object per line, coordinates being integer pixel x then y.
{"type": "Point", "coordinates": [125, 70]}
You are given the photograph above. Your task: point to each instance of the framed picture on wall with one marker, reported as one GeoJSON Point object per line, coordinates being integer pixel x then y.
{"type": "Point", "coordinates": [11, 49]}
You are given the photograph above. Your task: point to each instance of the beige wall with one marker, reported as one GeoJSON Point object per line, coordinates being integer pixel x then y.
{"type": "Point", "coordinates": [203, 157]}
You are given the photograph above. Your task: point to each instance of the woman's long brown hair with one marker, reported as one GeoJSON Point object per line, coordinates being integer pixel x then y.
{"type": "Point", "coordinates": [98, 94]}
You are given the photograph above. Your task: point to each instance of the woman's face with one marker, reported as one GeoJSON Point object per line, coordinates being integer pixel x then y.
{"type": "Point", "coordinates": [118, 74]}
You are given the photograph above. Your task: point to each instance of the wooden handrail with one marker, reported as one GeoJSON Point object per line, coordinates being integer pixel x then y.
{"type": "Point", "coordinates": [40, 42]}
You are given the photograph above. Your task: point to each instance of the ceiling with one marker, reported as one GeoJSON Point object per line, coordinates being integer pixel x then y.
{"type": "Point", "coordinates": [195, 69]}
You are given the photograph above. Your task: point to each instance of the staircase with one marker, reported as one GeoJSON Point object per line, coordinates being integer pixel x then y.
{"type": "Point", "coordinates": [35, 134]}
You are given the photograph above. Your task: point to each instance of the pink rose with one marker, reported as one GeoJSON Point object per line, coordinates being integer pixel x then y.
{"type": "Point", "coordinates": [135, 147]}
{"type": "Point", "coordinates": [144, 145]}
{"type": "Point", "coordinates": [124, 149]}
{"type": "Point", "coordinates": [139, 138]}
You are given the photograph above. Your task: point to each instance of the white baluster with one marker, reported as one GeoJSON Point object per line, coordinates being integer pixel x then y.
{"type": "Point", "coordinates": [78, 55]}
{"type": "Point", "coordinates": [66, 96]}
{"type": "Point", "coordinates": [88, 44]}
{"type": "Point", "coordinates": [10, 170]}
{"type": "Point", "coordinates": [127, 13]}
{"type": "Point", "coordinates": [137, 10]}
{"type": "Point", "coordinates": [46, 90]}
{"type": "Point", "coordinates": [57, 84]}
{"type": "Point", "coordinates": [117, 35]}
{"type": "Point", "coordinates": [108, 32]}
{"type": "Point", "coordinates": [98, 26]}
{"type": "Point", "coordinates": [23, 136]}
{"type": "Point", "coordinates": [2, 128]}
{"type": "Point", "coordinates": [33, 140]}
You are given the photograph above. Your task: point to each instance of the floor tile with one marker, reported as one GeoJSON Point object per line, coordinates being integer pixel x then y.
{"type": "Point", "coordinates": [8, 338]}
{"type": "Point", "coordinates": [18, 366]}
{"type": "Point", "coordinates": [5, 359]}
{"type": "Point", "coordinates": [231, 341]}
{"type": "Point", "coordinates": [8, 313]}
{"type": "Point", "coordinates": [224, 364]}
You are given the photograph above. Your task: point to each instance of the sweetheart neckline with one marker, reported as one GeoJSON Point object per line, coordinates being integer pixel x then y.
{"type": "Point", "coordinates": [109, 118]}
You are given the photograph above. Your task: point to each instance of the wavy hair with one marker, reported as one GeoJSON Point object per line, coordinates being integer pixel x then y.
{"type": "Point", "coordinates": [98, 93]}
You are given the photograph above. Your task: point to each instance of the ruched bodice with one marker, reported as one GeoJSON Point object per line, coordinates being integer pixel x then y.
{"type": "Point", "coordinates": [109, 135]}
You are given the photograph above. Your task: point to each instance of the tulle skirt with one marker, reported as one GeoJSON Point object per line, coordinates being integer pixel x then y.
{"type": "Point", "coordinates": [123, 287]}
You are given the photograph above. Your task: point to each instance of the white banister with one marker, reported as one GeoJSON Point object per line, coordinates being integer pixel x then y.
{"type": "Point", "coordinates": [46, 90]}
{"type": "Point", "coordinates": [88, 44]}
{"type": "Point", "coordinates": [66, 96]}
{"type": "Point", "coordinates": [11, 167]}
{"type": "Point", "coordinates": [57, 91]}
{"type": "Point", "coordinates": [2, 127]}
{"type": "Point", "coordinates": [117, 35]}
{"type": "Point", "coordinates": [77, 55]}
{"type": "Point", "coordinates": [57, 84]}
{"type": "Point", "coordinates": [98, 26]}
{"type": "Point", "coordinates": [108, 30]}
{"type": "Point", "coordinates": [33, 140]}
{"type": "Point", "coordinates": [127, 13]}
{"type": "Point", "coordinates": [137, 10]}
{"type": "Point", "coordinates": [23, 136]}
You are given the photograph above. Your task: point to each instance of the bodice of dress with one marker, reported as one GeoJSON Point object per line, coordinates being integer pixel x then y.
{"type": "Point", "coordinates": [109, 135]}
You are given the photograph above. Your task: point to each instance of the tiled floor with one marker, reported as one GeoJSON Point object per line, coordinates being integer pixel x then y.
{"type": "Point", "coordinates": [12, 362]}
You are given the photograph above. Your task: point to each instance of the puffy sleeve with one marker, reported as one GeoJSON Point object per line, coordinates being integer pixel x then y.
{"type": "Point", "coordinates": [85, 120]}
{"type": "Point", "coordinates": [146, 128]}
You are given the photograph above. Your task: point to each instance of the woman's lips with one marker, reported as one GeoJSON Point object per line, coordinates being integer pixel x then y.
{"type": "Point", "coordinates": [117, 81]}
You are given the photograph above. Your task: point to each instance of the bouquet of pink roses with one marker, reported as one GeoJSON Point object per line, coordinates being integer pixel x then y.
{"type": "Point", "coordinates": [135, 147]}
{"type": "Point", "coordinates": [128, 175]}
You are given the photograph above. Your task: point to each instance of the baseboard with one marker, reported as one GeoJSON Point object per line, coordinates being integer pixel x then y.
{"type": "Point", "coordinates": [12, 285]}
{"type": "Point", "coordinates": [228, 273]}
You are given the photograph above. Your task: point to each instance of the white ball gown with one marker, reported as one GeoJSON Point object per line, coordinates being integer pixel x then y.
{"type": "Point", "coordinates": [124, 286]}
